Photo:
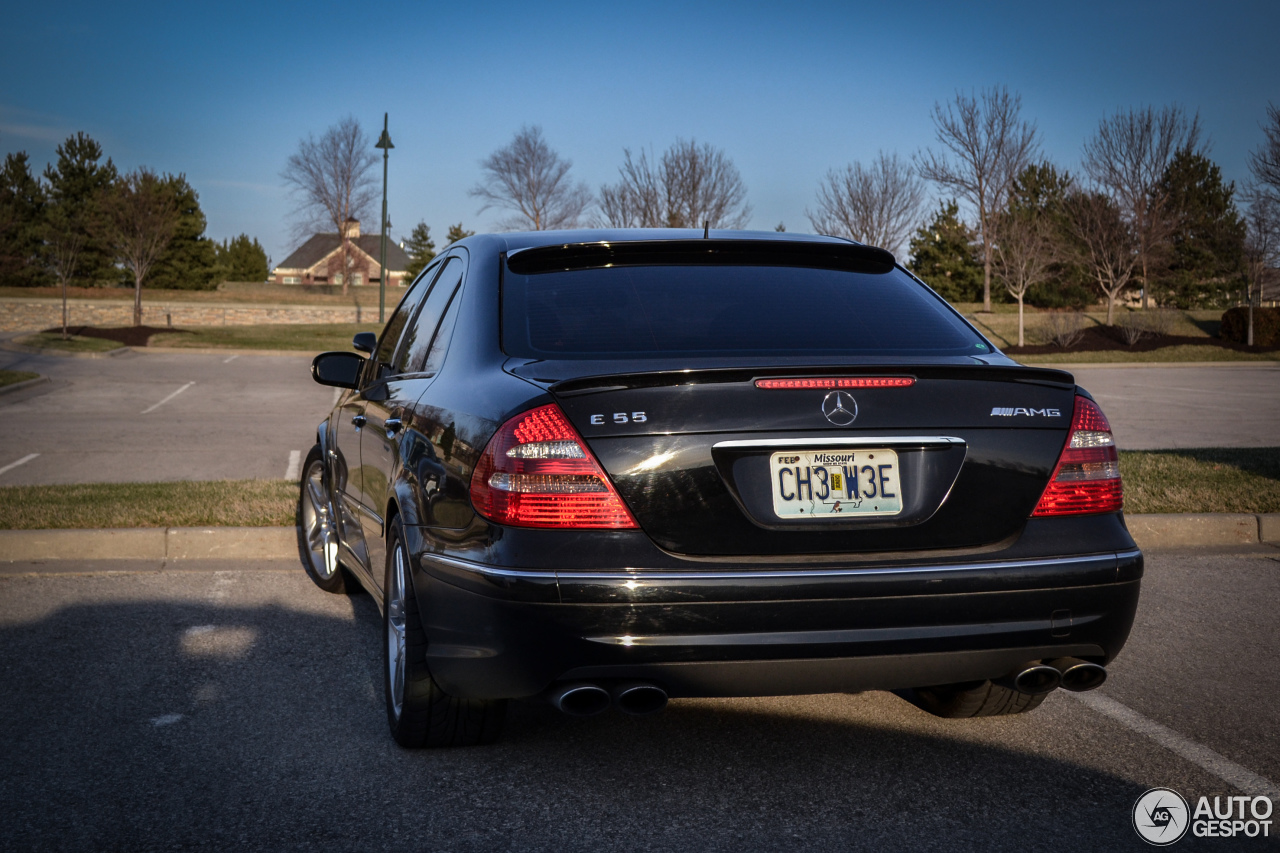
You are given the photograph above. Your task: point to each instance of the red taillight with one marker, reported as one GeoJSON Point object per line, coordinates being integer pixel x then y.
{"type": "Point", "coordinates": [839, 382]}
{"type": "Point", "coordinates": [537, 472]}
{"type": "Point", "coordinates": [1087, 478]}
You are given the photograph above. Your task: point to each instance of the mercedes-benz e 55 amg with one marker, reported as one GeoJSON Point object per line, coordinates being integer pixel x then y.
{"type": "Point", "coordinates": [608, 468]}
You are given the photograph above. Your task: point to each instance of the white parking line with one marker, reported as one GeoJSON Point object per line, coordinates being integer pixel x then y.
{"type": "Point", "coordinates": [1240, 778]}
{"type": "Point", "coordinates": [167, 399]}
{"type": "Point", "coordinates": [295, 462]}
{"type": "Point", "coordinates": [23, 461]}
{"type": "Point", "coordinates": [231, 359]}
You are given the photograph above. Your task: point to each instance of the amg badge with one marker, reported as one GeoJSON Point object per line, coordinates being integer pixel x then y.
{"type": "Point", "coordinates": [1004, 411]}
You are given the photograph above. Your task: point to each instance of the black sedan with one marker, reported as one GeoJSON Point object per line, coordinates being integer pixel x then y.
{"type": "Point", "coordinates": [606, 468]}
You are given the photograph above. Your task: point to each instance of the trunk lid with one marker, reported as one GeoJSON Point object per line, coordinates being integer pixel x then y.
{"type": "Point", "coordinates": [698, 452]}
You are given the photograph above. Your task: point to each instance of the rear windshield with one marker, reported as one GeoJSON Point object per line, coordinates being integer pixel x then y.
{"type": "Point", "coordinates": [662, 311]}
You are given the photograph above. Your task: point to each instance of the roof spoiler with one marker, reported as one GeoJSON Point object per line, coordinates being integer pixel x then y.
{"type": "Point", "coordinates": [849, 257]}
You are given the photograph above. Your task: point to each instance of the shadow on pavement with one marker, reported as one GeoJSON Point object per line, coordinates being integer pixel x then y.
{"type": "Point", "coordinates": [178, 725]}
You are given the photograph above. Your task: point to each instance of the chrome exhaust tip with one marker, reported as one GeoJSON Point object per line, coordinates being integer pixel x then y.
{"type": "Point", "coordinates": [1032, 678]}
{"type": "Point", "coordinates": [1079, 675]}
{"type": "Point", "coordinates": [639, 697]}
{"type": "Point", "coordinates": [578, 699]}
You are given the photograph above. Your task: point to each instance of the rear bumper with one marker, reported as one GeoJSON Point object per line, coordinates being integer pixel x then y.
{"type": "Point", "coordinates": [501, 632]}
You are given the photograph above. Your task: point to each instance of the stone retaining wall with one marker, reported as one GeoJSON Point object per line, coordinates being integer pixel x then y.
{"type": "Point", "coordinates": [32, 315]}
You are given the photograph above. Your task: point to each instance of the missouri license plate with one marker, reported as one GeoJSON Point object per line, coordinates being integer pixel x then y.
{"type": "Point", "coordinates": [832, 484]}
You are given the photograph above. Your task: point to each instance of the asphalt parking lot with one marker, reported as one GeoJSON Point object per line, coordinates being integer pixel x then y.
{"type": "Point", "coordinates": [1230, 405]}
{"type": "Point", "coordinates": [241, 708]}
{"type": "Point", "coordinates": [142, 417]}
{"type": "Point", "coordinates": [189, 416]}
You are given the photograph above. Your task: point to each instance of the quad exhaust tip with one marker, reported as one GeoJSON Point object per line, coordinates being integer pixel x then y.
{"type": "Point", "coordinates": [580, 700]}
{"type": "Point", "coordinates": [1068, 673]}
{"type": "Point", "coordinates": [639, 697]}
{"type": "Point", "coordinates": [584, 699]}
{"type": "Point", "coordinates": [1079, 675]}
{"type": "Point", "coordinates": [1033, 678]}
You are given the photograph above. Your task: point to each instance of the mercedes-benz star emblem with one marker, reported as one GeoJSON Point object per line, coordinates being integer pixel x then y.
{"type": "Point", "coordinates": [840, 408]}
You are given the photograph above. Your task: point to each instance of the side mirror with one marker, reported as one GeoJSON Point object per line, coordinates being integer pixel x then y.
{"type": "Point", "coordinates": [365, 341]}
{"type": "Point", "coordinates": [339, 369]}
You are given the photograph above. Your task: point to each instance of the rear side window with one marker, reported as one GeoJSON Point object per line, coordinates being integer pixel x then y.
{"type": "Point", "coordinates": [382, 357]}
{"type": "Point", "coordinates": [418, 340]}
{"type": "Point", "coordinates": [639, 311]}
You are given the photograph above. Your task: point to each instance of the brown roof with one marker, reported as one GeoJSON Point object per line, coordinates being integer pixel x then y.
{"type": "Point", "coordinates": [319, 246]}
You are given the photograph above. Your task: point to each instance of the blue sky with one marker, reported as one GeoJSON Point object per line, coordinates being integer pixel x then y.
{"type": "Point", "coordinates": [223, 92]}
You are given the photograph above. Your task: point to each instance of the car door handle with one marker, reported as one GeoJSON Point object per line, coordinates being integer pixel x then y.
{"type": "Point", "coordinates": [358, 420]}
{"type": "Point", "coordinates": [392, 426]}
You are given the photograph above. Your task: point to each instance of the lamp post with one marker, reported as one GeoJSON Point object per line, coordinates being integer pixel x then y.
{"type": "Point", "coordinates": [384, 142]}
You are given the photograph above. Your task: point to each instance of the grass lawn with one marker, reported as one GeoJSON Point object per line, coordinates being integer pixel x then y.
{"type": "Point", "coordinates": [1181, 352]}
{"type": "Point", "coordinates": [1001, 326]}
{"type": "Point", "coordinates": [283, 336]}
{"type": "Point", "coordinates": [1223, 479]}
{"type": "Point", "coordinates": [13, 377]}
{"type": "Point", "coordinates": [219, 503]}
{"type": "Point", "coordinates": [1155, 481]}
{"type": "Point", "coordinates": [51, 340]}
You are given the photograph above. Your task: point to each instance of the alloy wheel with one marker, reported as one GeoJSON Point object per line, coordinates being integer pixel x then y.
{"type": "Point", "coordinates": [318, 523]}
{"type": "Point", "coordinates": [396, 586]}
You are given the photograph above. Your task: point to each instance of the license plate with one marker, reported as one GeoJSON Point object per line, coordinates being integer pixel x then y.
{"type": "Point", "coordinates": [831, 484]}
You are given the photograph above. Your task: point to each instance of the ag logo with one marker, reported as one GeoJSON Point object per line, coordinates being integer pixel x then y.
{"type": "Point", "coordinates": [1161, 817]}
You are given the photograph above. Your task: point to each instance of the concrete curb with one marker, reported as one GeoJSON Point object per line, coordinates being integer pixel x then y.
{"type": "Point", "coordinates": [153, 543]}
{"type": "Point", "coordinates": [224, 351]}
{"type": "Point", "coordinates": [279, 543]}
{"type": "Point", "coordinates": [1190, 530]}
{"type": "Point", "coordinates": [23, 385]}
{"type": "Point", "coordinates": [13, 346]}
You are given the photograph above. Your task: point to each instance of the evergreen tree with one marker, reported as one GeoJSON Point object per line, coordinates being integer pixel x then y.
{"type": "Point", "coordinates": [22, 208]}
{"type": "Point", "coordinates": [1041, 190]}
{"type": "Point", "coordinates": [80, 182]}
{"type": "Point", "coordinates": [420, 248]}
{"type": "Point", "coordinates": [241, 259]}
{"type": "Point", "coordinates": [1205, 252]}
{"type": "Point", "coordinates": [456, 233]}
{"type": "Point", "coordinates": [188, 263]}
{"type": "Point", "coordinates": [944, 255]}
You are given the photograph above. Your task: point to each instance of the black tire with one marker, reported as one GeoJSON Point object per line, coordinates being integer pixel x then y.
{"type": "Point", "coordinates": [317, 529]}
{"type": "Point", "coordinates": [419, 712]}
{"type": "Point", "coordinates": [974, 699]}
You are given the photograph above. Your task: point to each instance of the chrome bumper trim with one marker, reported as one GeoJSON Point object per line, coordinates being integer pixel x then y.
{"type": "Point", "coordinates": [796, 574]}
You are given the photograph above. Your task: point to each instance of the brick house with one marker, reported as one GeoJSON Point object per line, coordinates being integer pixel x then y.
{"type": "Point", "coordinates": [319, 260]}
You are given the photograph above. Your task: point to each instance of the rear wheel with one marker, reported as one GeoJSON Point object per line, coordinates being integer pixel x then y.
{"type": "Point", "coordinates": [317, 527]}
{"type": "Point", "coordinates": [974, 699]}
{"type": "Point", "coordinates": [419, 712]}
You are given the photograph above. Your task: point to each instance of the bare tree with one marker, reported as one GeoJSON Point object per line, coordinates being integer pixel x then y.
{"type": "Point", "coordinates": [1107, 243]}
{"type": "Point", "coordinates": [989, 145]}
{"type": "Point", "coordinates": [140, 214]}
{"type": "Point", "coordinates": [1265, 162]}
{"type": "Point", "coordinates": [1025, 249]}
{"type": "Point", "coordinates": [1261, 245]}
{"type": "Point", "coordinates": [691, 186]}
{"type": "Point", "coordinates": [1128, 156]}
{"type": "Point", "coordinates": [638, 199]}
{"type": "Point", "coordinates": [66, 231]}
{"type": "Point", "coordinates": [877, 205]}
{"type": "Point", "coordinates": [333, 180]}
{"type": "Point", "coordinates": [530, 179]}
